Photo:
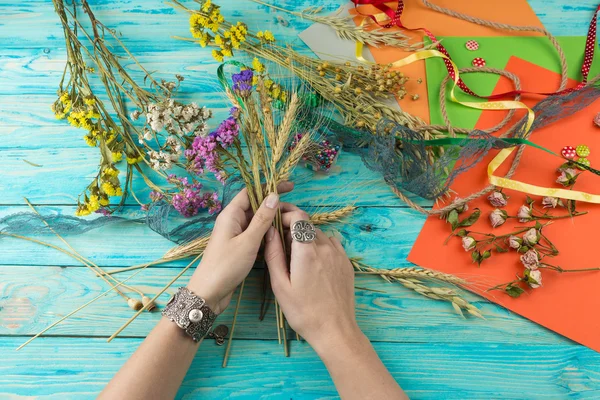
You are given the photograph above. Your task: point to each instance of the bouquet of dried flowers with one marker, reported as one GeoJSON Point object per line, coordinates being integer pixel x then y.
{"type": "Point", "coordinates": [169, 125]}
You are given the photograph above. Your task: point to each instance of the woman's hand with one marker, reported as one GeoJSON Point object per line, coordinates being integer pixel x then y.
{"type": "Point", "coordinates": [233, 247]}
{"type": "Point", "coordinates": [316, 293]}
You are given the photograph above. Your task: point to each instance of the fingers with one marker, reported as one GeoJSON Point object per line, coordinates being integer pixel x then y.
{"type": "Point", "coordinates": [262, 220]}
{"type": "Point", "coordinates": [295, 214]}
{"type": "Point", "coordinates": [276, 262]}
{"type": "Point", "coordinates": [285, 187]}
{"type": "Point", "coordinates": [242, 201]}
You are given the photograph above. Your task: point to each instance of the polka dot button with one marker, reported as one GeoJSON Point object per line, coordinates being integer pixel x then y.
{"type": "Point", "coordinates": [472, 45]}
{"type": "Point", "coordinates": [478, 62]}
{"type": "Point", "coordinates": [582, 150]}
{"type": "Point", "coordinates": [583, 161]}
{"type": "Point", "coordinates": [568, 152]}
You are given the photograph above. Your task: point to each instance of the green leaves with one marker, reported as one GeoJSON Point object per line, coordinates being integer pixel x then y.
{"type": "Point", "coordinates": [471, 219]}
{"type": "Point", "coordinates": [514, 291]}
{"type": "Point", "coordinates": [452, 219]}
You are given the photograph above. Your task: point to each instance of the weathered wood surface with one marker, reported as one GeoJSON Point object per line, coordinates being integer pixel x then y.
{"type": "Point", "coordinates": [432, 352]}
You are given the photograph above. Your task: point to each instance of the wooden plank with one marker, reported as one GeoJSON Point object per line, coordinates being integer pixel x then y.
{"type": "Point", "coordinates": [80, 367]}
{"type": "Point", "coordinates": [31, 298]}
{"type": "Point", "coordinates": [366, 232]}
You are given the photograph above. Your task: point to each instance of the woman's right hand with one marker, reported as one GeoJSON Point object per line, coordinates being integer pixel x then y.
{"type": "Point", "coordinates": [316, 292]}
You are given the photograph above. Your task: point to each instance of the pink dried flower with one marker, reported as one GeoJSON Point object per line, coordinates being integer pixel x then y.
{"type": "Point", "coordinates": [498, 199]}
{"type": "Point", "coordinates": [530, 260]}
{"type": "Point", "coordinates": [524, 214]}
{"type": "Point", "coordinates": [515, 242]}
{"type": "Point", "coordinates": [534, 279]}
{"type": "Point", "coordinates": [567, 177]}
{"type": "Point", "coordinates": [531, 237]}
{"type": "Point", "coordinates": [549, 202]}
{"type": "Point", "coordinates": [498, 217]}
{"type": "Point", "coordinates": [468, 243]}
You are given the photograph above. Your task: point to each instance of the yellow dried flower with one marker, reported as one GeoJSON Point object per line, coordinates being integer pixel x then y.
{"type": "Point", "coordinates": [257, 65]}
{"type": "Point", "coordinates": [82, 210]}
{"type": "Point", "coordinates": [227, 52]}
{"type": "Point", "coordinates": [90, 101]}
{"type": "Point", "coordinates": [110, 171]}
{"type": "Point", "coordinates": [217, 55]}
{"type": "Point", "coordinates": [269, 36]}
{"type": "Point", "coordinates": [94, 203]}
{"type": "Point", "coordinates": [116, 157]}
{"type": "Point", "coordinates": [104, 201]}
{"type": "Point", "coordinates": [111, 190]}
{"type": "Point", "coordinates": [90, 140]}
{"type": "Point", "coordinates": [206, 6]}
{"type": "Point", "coordinates": [135, 160]}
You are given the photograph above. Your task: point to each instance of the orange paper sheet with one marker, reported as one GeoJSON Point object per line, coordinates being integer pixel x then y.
{"type": "Point", "coordinates": [566, 303]}
{"type": "Point", "coordinates": [416, 15]}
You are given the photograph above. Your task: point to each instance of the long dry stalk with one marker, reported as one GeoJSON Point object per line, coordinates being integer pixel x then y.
{"type": "Point", "coordinates": [412, 279]}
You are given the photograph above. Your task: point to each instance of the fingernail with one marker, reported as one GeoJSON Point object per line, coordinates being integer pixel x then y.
{"type": "Point", "coordinates": [272, 200]}
{"type": "Point", "coordinates": [270, 234]}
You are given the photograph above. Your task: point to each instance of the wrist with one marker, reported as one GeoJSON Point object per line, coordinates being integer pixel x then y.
{"type": "Point", "coordinates": [206, 291]}
{"type": "Point", "coordinates": [339, 340]}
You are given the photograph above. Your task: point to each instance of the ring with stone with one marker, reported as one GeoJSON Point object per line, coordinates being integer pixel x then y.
{"type": "Point", "coordinates": [303, 231]}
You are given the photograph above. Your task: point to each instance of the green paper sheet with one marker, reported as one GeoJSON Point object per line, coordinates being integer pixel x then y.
{"type": "Point", "coordinates": [496, 51]}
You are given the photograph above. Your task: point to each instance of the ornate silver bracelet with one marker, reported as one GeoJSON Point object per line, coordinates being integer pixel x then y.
{"type": "Point", "coordinates": [190, 313]}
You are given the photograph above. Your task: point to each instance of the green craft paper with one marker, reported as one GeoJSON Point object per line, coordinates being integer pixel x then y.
{"type": "Point", "coordinates": [496, 51]}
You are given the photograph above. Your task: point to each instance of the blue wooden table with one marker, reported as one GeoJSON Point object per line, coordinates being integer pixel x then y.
{"type": "Point", "coordinates": [428, 349]}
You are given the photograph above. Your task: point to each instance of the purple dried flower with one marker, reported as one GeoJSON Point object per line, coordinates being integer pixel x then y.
{"type": "Point", "coordinates": [242, 83]}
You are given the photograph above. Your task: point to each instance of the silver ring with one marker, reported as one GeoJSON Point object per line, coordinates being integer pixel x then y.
{"type": "Point", "coordinates": [303, 231]}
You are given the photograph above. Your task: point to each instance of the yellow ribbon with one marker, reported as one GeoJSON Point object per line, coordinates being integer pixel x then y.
{"type": "Point", "coordinates": [533, 189]}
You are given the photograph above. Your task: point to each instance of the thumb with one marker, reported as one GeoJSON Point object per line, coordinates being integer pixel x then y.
{"type": "Point", "coordinates": [276, 262]}
{"type": "Point", "coordinates": [262, 219]}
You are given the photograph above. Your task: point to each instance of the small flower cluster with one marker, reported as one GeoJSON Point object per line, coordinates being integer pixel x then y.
{"type": "Point", "coordinates": [106, 185]}
{"type": "Point", "coordinates": [188, 198]}
{"type": "Point", "coordinates": [175, 118]}
{"type": "Point", "coordinates": [209, 18]}
{"type": "Point", "coordinates": [205, 152]}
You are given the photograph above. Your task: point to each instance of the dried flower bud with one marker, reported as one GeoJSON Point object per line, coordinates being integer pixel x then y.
{"type": "Point", "coordinates": [468, 243]}
{"type": "Point", "coordinates": [549, 202]}
{"type": "Point", "coordinates": [530, 260]}
{"type": "Point", "coordinates": [534, 278]}
{"type": "Point", "coordinates": [567, 177]}
{"type": "Point", "coordinates": [357, 91]}
{"type": "Point", "coordinates": [148, 303]}
{"type": "Point", "coordinates": [498, 199]}
{"type": "Point", "coordinates": [531, 237]}
{"type": "Point", "coordinates": [498, 217]}
{"type": "Point", "coordinates": [524, 214]}
{"type": "Point", "coordinates": [460, 208]}
{"type": "Point", "coordinates": [134, 304]}
{"type": "Point", "coordinates": [514, 242]}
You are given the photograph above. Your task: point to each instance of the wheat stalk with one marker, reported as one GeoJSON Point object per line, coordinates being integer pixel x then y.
{"type": "Point", "coordinates": [323, 218]}
{"type": "Point", "coordinates": [285, 128]}
{"type": "Point", "coordinates": [193, 248]}
{"type": "Point", "coordinates": [284, 172]}
{"type": "Point", "coordinates": [409, 278]}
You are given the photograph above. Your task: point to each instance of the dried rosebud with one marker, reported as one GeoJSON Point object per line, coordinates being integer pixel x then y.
{"type": "Point", "coordinates": [498, 217]}
{"type": "Point", "coordinates": [462, 233]}
{"type": "Point", "coordinates": [549, 202]}
{"type": "Point", "coordinates": [514, 242]}
{"type": "Point", "coordinates": [460, 208]}
{"type": "Point", "coordinates": [530, 260]}
{"type": "Point", "coordinates": [148, 303]}
{"type": "Point", "coordinates": [498, 199]}
{"type": "Point", "coordinates": [468, 243]}
{"type": "Point", "coordinates": [531, 237]}
{"type": "Point", "coordinates": [534, 278]}
{"type": "Point", "coordinates": [524, 214]}
{"type": "Point", "coordinates": [134, 304]}
{"type": "Point", "coordinates": [567, 177]}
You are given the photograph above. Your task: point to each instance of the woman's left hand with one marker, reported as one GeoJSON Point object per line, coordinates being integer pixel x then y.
{"type": "Point", "coordinates": [233, 248]}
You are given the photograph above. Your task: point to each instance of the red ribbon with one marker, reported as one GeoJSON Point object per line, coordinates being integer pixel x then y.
{"type": "Point", "coordinates": [395, 20]}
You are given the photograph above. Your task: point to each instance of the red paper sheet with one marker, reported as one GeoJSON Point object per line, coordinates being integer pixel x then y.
{"type": "Point", "coordinates": [566, 303]}
{"type": "Point", "coordinates": [416, 15]}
